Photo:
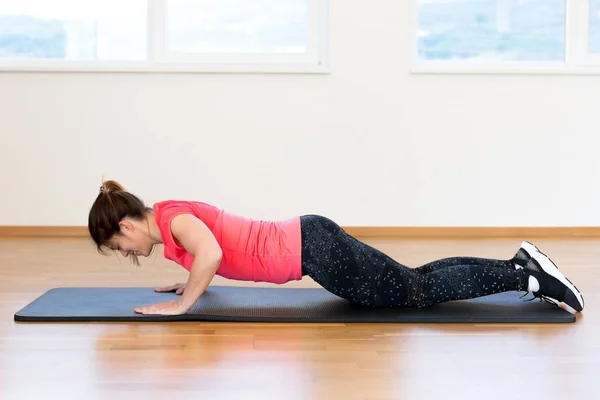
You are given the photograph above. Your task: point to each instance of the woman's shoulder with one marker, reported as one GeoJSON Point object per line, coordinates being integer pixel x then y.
{"type": "Point", "coordinates": [173, 204]}
{"type": "Point", "coordinates": [168, 209]}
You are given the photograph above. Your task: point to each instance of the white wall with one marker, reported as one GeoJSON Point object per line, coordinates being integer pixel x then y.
{"type": "Point", "coordinates": [369, 144]}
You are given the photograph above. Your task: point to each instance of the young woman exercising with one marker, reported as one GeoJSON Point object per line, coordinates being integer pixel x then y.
{"type": "Point", "coordinates": [206, 240]}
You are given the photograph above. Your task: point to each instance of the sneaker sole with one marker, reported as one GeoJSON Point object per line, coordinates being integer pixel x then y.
{"type": "Point", "coordinates": [551, 269]}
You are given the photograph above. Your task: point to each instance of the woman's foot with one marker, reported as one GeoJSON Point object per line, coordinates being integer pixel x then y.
{"type": "Point", "coordinates": [546, 281]}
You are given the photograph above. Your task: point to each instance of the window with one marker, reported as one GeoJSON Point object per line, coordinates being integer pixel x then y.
{"type": "Point", "coordinates": [73, 30]}
{"type": "Point", "coordinates": [219, 35]}
{"type": "Point", "coordinates": [507, 35]}
{"type": "Point", "coordinates": [594, 27]}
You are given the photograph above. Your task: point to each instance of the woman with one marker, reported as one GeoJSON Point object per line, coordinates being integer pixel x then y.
{"type": "Point", "coordinates": [206, 240]}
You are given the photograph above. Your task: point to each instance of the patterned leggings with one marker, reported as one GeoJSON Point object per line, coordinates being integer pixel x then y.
{"type": "Point", "coordinates": [361, 274]}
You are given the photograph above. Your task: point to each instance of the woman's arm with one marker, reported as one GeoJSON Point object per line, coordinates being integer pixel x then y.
{"type": "Point", "coordinates": [199, 241]}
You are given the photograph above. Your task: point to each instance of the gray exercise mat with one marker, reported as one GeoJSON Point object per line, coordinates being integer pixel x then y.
{"type": "Point", "coordinates": [245, 304]}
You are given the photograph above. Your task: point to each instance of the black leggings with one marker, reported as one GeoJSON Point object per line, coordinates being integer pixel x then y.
{"type": "Point", "coordinates": [362, 274]}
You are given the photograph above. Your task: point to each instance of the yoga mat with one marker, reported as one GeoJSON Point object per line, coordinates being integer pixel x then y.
{"type": "Point", "coordinates": [253, 304]}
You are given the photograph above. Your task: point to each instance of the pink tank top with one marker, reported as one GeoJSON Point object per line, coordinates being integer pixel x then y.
{"type": "Point", "coordinates": [253, 250]}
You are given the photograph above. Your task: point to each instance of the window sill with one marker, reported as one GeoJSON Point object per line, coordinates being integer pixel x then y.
{"type": "Point", "coordinates": [517, 68]}
{"type": "Point", "coordinates": [99, 67]}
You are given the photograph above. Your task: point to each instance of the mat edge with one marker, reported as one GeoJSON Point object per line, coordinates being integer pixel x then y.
{"type": "Point", "coordinates": [143, 320]}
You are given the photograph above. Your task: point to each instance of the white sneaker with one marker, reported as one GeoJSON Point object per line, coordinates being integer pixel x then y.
{"type": "Point", "coordinates": [553, 285]}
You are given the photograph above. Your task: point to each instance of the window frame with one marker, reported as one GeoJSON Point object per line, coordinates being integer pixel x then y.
{"type": "Point", "coordinates": [577, 59]}
{"type": "Point", "coordinates": [316, 61]}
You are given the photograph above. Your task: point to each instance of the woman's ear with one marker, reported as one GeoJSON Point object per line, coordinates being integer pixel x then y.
{"type": "Point", "coordinates": [126, 227]}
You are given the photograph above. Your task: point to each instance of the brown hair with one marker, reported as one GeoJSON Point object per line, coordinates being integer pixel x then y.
{"type": "Point", "coordinates": [112, 205]}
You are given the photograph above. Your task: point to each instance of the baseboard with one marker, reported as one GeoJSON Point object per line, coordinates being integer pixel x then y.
{"type": "Point", "coordinates": [372, 231]}
{"type": "Point", "coordinates": [474, 232]}
{"type": "Point", "coordinates": [44, 231]}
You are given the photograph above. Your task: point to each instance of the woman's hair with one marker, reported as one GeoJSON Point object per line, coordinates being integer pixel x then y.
{"type": "Point", "coordinates": [112, 205]}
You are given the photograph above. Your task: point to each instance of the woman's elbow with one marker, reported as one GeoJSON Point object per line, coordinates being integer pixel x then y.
{"type": "Point", "coordinates": [218, 256]}
{"type": "Point", "coordinates": [215, 257]}
{"type": "Point", "coordinates": [209, 258]}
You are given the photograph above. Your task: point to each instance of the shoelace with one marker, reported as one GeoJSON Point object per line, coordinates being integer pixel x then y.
{"type": "Point", "coordinates": [539, 296]}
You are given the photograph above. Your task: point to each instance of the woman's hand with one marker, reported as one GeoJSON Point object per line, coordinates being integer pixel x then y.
{"type": "Point", "coordinates": [178, 288]}
{"type": "Point", "coordinates": [173, 307]}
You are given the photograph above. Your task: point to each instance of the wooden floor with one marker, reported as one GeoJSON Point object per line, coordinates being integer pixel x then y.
{"type": "Point", "coordinates": [287, 361]}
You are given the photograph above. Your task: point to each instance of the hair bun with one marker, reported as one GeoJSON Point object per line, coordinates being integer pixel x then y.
{"type": "Point", "coordinates": [111, 186]}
